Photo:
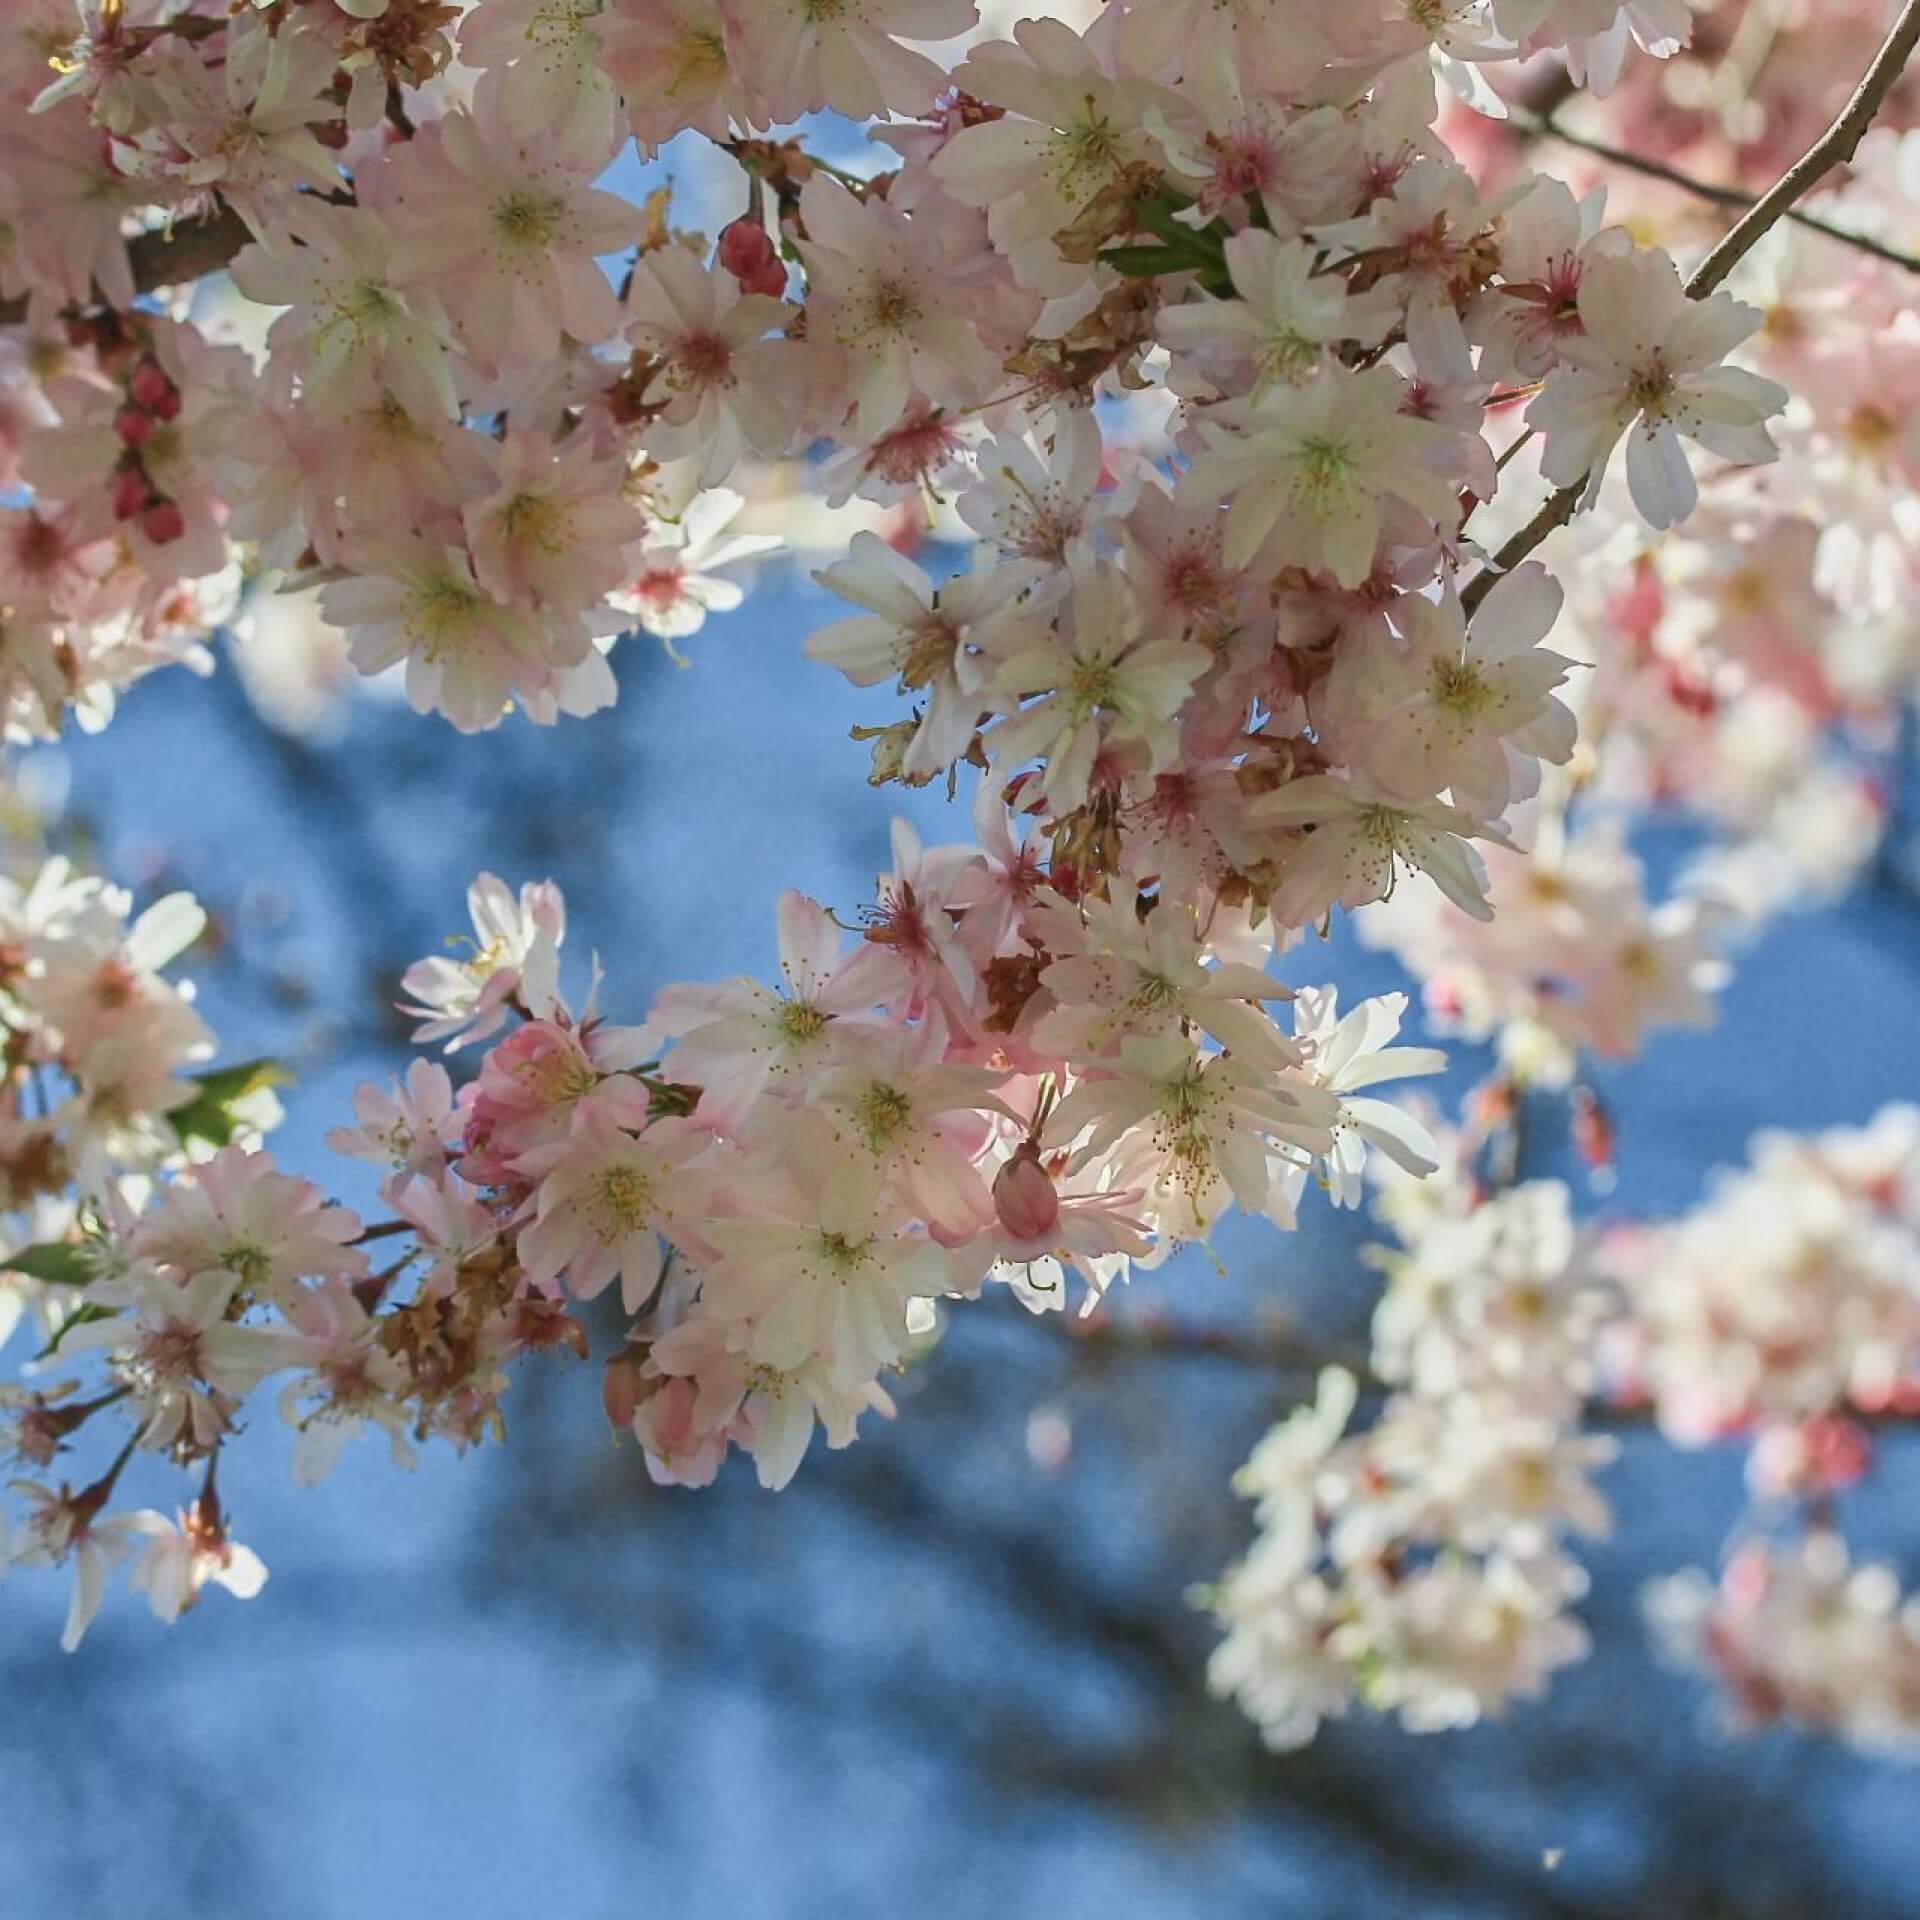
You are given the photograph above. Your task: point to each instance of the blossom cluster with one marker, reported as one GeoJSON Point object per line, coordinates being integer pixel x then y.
{"type": "Point", "coordinates": [491, 449]}
{"type": "Point", "coordinates": [100, 1041]}
{"type": "Point", "coordinates": [1217, 331]}
{"type": "Point", "coordinates": [1796, 1631]}
{"type": "Point", "coordinates": [1746, 672]}
{"type": "Point", "coordinates": [994, 1083]}
{"type": "Point", "coordinates": [100, 1048]}
{"type": "Point", "coordinates": [168, 1250]}
{"type": "Point", "coordinates": [1789, 1298]}
{"type": "Point", "coordinates": [485, 446]}
{"type": "Point", "coordinates": [1419, 1566]}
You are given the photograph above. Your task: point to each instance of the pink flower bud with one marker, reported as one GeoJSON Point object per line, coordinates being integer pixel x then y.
{"type": "Point", "coordinates": [1593, 1136]}
{"type": "Point", "coordinates": [131, 489]}
{"type": "Point", "coordinates": [150, 388]}
{"type": "Point", "coordinates": [134, 427]}
{"type": "Point", "coordinates": [1839, 1451]}
{"type": "Point", "coordinates": [622, 1389]}
{"type": "Point", "coordinates": [1024, 1198]}
{"type": "Point", "coordinates": [663, 1421]}
{"type": "Point", "coordinates": [163, 522]}
{"type": "Point", "coordinates": [748, 253]}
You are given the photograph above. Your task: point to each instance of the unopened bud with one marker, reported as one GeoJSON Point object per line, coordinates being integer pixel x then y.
{"type": "Point", "coordinates": [664, 1417]}
{"type": "Point", "coordinates": [1690, 692]}
{"type": "Point", "coordinates": [1024, 1197]}
{"type": "Point", "coordinates": [131, 490]}
{"type": "Point", "coordinates": [621, 1389]}
{"type": "Point", "coordinates": [150, 388]}
{"type": "Point", "coordinates": [748, 253]}
{"type": "Point", "coordinates": [1592, 1128]}
{"type": "Point", "coordinates": [163, 522]}
{"type": "Point", "coordinates": [134, 427]}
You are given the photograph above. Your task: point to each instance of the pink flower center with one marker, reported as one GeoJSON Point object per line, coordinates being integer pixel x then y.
{"type": "Point", "coordinates": [906, 455]}
{"type": "Point", "coordinates": [660, 586]}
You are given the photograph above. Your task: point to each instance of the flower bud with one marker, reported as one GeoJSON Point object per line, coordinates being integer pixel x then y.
{"type": "Point", "coordinates": [748, 253]}
{"type": "Point", "coordinates": [663, 1421]}
{"type": "Point", "coordinates": [131, 489]}
{"type": "Point", "coordinates": [134, 427]}
{"type": "Point", "coordinates": [1593, 1137]}
{"type": "Point", "coordinates": [1809, 1459]}
{"type": "Point", "coordinates": [163, 522]}
{"type": "Point", "coordinates": [621, 1389]}
{"type": "Point", "coordinates": [1024, 1196]}
{"type": "Point", "coordinates": [150, 388]}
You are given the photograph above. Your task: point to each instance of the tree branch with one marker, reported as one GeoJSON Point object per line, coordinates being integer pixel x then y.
{"type": "Point", "coordinates": [1284, 1352]}
{"type": "Point", "coordinates": [1279, 1349]}
{"type": "Point", "coordinates": [1833, 149]}
{"type": "Point", "coordinates": [169, 256]}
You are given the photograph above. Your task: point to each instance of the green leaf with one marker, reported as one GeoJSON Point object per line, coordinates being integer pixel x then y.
{"type": "Point", "coordinates": [59, 1261]}
{"type": "Point", "coordinates": [1157, 215]}
{"type": "Point", "coordinates": [1182, 249]}
{"type": "Point", "coordinates": [250, 1076]}
{"type": "Point", "coordinates": [81, 1316]}
{"type": "Point", "coordinates": [1149, 263]}
{"type": "Point", "coordinates": [209, 1114]}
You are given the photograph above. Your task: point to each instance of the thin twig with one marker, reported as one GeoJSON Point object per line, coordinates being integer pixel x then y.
{"type": "Point", "coordinates": [1514, 451]}
{"type": "Point", "coordinates": [1278, 1349]}
{"type": "Point", "coordinates": [1550, 129]}
{"type": "Point", "coordinates": [381, 1230]}
{"type": "Point", "coordinates": [1833, 149]}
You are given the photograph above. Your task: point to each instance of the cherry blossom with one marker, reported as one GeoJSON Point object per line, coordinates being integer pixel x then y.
{"type": "Point", "coordinates": [249, 130]}
{"type": "Point", "coordinates": [178, 1562]}
{"type": "Point", "coordinates": [68, 1527]}
{"type": "Point", "coordinates": [875, 293]}
{"type": "Point", "coordinates": [184, 1363]}
{"type": "Point", "coordinates": [1344, 1055]}
{"type": "Point", "coordinates": [942, 643]}
{"type": "Point", "coordinates": [415, 602]}
{"type": "Point", "coordinates": [1467, 710]}
{"type": "Point", "coordinates": [605, 1199]}
{"type": "Point", "coordinates": [1646, 364]}
{"type": "Point", "coordinates": [674, 67]}
{"type": "Point", "coordinates": [238, 1215]}
{"type": "Point", "coordinates": [465, 1001]}
{"type": "Point", "coordinates": [1283, 320]}
{"type": "Point", "coordinates": [505, 229]}
{"type": "Point", "coordinates": [803, 57]}
{"type": "Point", "coordinates": [734, 1039]}
{"type": "Point", "coordinates": [1318, 463]}
{"type": "Point", "coordinates": [408, 1130]}
{"type": "Point", "coordinates": [1103, 686]}
{"type": "Point", "coordinates": [678, 581]}
{"type": "Point", "coordinates": [542, 70]}
{"type": "Point", "coordinates": [715, 371]}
